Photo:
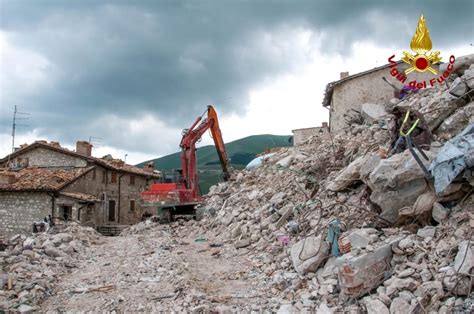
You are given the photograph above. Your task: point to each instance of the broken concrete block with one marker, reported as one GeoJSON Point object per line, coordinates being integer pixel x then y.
{"type": "Point", "coordinates": [52, 252]}
{"type": "Point", "coordinates": [375, 306]}
{"type": "Point", "coordinates": [347, 176]}
{"type": "Point", "coordinates": [397, 182]}
{"type": "Point", "coordinates": [360, 274]}
{"type": "Point", "coordinates": [400, 306]}
{"type": "Point", "coordinates": [242, 243]}
{"type": "Point", "coordinates": [439, 213]}
{"type": "Point", "coordinates": [456, 123]}
{"type": "Point", "coordinates": [468, 77]}
{"type": "Point", "coordinates": [308, 254]}
{"type": "Point", "coordinates": [426, 232]}
{"type": "Point", "coordinates": [458, 88]}
{"type": "Point", "coordinates": [285, 162]}
{"type": "Point", "coordinates": [373, 112]}
{"type": "Point", "coordinates": [464, 261]}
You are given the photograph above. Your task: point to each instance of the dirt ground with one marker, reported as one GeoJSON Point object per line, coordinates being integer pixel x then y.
{"type": "Point", "coordinates": [159, 270]}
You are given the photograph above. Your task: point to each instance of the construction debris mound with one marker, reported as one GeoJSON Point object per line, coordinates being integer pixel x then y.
{"type": "Point", "coordinates": [30, 266]}
{"type": "Point", "coordinates": [357, 220]}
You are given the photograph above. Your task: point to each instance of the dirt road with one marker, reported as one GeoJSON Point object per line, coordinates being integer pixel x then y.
{"type": "Point", "coordinates": [159, 269]}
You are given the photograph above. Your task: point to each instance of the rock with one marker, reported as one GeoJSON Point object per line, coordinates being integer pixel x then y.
{"type": "Point", "coordinates": [324, 309]}
{"type": "Point", "coordinates": [361, 238]}
{"type": "Point", "coordinates": [397, 182]}
{"type": "Point", "coordinates": [278, 198]}
{"type": "Point", "coordinates": [25, 308]}
{"type": "Point", "coordinates": [285, 162]}
{"type": "Point", "coordinates": [52, 252]}
{"type": "Point", "coordinates": [406, 243]}
{"type": "Point", "coordinates": [348, 175]}
{"type": "Point", "coordinates": [242, 243]}
{"type": "Point", "coordinates": [464, 261]}
{"type": "Point", "coordinates": [406, 273]}
{"type": "Point", "coordinates": [373, 112]}
{"type": "Point", "coordinates": [308, 254]}
{"type": "Point", "coordinates": [468, 77]}
{"type": "Point", "coordinates": [460, 65]}
{"type": "Point", "coordinates": [287, 309]}
{"type": "Point", "coordinates": [426, 232]}
{"type": "Point", "coordinates": [439, 213]}
{"type": "Point", "coordinates": [458, 88]}
{"type": "Point", "coordinates": [400, 284]}
{"type": "Point", "coordinates": [400, 306]}
{"type": "Point", "coordinates": [375, 306]}
{"type": "Point", "coordinates": [457, 122]}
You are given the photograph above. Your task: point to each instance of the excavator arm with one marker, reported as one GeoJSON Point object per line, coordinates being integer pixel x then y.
{"type": "Point", "coordinates": [188, 148]}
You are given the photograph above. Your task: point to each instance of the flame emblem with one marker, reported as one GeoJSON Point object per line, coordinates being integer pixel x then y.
{"type": "Point", "coordinates": [421, 44]}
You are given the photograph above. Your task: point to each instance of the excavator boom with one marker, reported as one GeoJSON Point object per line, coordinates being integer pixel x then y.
{"type": "Point", "coordinates": [181, 198]}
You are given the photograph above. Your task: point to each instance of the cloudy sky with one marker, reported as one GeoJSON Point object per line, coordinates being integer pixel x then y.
{"type": "Point", "coordinates": [134, 73]}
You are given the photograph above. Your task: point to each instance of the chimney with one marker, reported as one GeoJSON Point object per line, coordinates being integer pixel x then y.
{"type": "Point", "coordinates": [325, 125]}
{"type": "Point", "coordinates": [55, 144]}
{"type": "Point", "coordinates": [84, 148]}
{"type": "Point", "coordinates": [7, 178]}
{"type": "Point", "coordinates": [149, 167]}
{"type": "Point", "coordinates": [343, 75]}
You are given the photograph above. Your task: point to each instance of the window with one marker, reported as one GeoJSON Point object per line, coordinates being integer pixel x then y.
{"type": "Point", "coordinates": [93, 174]}
{"type": "Point", "coordinates": [132, 180]}
{"type": "Point", "coordinates": [132, 205]}
{"type": "Point", "coordinates": [104, 176]}
{"type": "Point", "coordinates": [113, 177]}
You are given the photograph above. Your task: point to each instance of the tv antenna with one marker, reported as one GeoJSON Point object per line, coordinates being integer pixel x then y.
{"type": "Point", "coordinates": [94, 140]}
{"type": "Point", "coordinates": [17, 115]}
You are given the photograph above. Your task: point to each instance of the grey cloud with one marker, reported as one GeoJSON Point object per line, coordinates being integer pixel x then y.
{"type": "Point", "coordinates": [171, 58]}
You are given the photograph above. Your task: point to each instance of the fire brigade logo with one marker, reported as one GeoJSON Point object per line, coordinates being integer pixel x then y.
{"type": "Point", "coordinates": [421, 44]}
{"type": "Point", "coordinates": [421, 61]}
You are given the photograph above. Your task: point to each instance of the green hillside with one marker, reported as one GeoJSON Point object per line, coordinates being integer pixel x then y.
{"type": "Point", "coordinates": [240, 152]}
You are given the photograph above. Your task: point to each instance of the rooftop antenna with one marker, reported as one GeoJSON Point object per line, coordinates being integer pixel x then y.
{"type": "Point", "coordinates": [17, 115]}
{"type": "Point", "coordinates": [94, 140]}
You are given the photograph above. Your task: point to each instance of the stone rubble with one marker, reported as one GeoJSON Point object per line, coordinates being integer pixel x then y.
{"type": "Point", "coordinates": [404, 245]}
{"type": "Point", "coordinates": [268, 237]}
{"type": "Point", "coordinates": [31, 266]}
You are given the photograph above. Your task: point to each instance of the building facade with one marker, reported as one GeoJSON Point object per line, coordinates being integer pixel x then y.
{"type": "Point", "coordinates": [300, 136]}
{"type": "Point", "coordinates": [351, 91]}
{"type": "Point", "coordinates": [44, 179]}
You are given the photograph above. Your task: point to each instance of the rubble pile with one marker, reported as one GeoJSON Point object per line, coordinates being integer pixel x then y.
{"type": "Point", "coordinates": [352, 220]}
{"type": "Point", "coordinates": [30, 266]}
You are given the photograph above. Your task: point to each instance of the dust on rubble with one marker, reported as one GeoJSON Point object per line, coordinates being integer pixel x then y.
{"type": "Point", "coordinates": [156, 267]}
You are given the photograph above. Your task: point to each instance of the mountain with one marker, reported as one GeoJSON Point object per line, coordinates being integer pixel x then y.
{"type": "Point", "coordinates": [240, 152]}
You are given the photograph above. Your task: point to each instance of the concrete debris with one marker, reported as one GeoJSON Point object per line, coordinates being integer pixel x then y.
{"type": "Point", "coordinates": [261, 245]}
{"type": "Point", "coordinates": [31, 266]}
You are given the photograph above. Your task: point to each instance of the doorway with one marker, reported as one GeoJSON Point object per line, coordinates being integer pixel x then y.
{"type": "Point", "coordinates": [111, 210]}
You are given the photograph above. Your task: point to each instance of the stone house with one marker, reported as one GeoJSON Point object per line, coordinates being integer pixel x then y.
{"type": "Point", "coordinates": [301, 135]}
{"type": "Point", "coordinates": [44, 179]}
{"type": "Point", "coordinates": [351, 91]}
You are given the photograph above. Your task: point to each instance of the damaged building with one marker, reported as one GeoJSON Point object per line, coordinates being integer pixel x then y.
{"type": "Point", "coordinates": [346, 96]}
{"type": "Point", "coordinates": [45, 179]}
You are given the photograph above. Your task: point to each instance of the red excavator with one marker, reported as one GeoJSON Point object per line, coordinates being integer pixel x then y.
{"type": "Point", "coordinates": [182, 196]}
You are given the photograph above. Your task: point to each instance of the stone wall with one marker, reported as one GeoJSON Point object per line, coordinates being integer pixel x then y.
{"type": "Point", "coordinates": [301, 135]}
{"type": "Point", "coordinates": [42, 157]}
{"type": "Point", "coordinates": [94, 183]}
{"type": "Point", "coordinates": [369, 88]}
{"type": "Point", "coordinates": [18, 211]}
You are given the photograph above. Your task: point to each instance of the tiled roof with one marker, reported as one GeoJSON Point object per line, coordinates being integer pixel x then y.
{"type": "Point", "coordinates": [39, 179]}
{"type": "Point", "coordinates": [114, 164]}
